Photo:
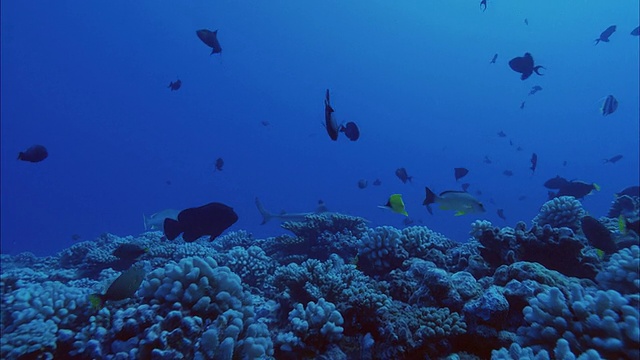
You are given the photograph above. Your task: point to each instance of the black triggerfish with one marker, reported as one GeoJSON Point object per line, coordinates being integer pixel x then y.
{"type": "Point", "coordinates": [211, 39]}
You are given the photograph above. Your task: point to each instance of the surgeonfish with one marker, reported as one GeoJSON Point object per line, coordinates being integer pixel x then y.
{"type": "Point", "coordinates": [459, 173]}
{"type": "Point", "coordinates": [604, 36]}
{"type": "Point", "coordinates": [609, 106]}
{"type": "Point", "coordinates": [460, 201]}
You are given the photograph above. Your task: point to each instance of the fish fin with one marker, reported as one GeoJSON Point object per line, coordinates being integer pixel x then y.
{"type": "Point", "coordinates": [429, 209]}
{"type": "Point", "coordinates": [430, 197]}
{"type": "Point", "coordinates": [266, 216]}
{"type": "Point", "coordinates": [172, 228]}
{"type": "Point", "coordinates": [459, 213]}
{"type": "Point", "coordinates": [596, 186]}
{"type": "Point", "coordinates": [405, 213]}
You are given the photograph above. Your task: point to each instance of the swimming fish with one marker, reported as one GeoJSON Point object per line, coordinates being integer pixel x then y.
{"type": "Point", "coordinates": [522, 105]}
{"type": "Point", "coordinates": [129, 251]}
{"type": "Point", "coordinates": [284, 216]}
{"type": "Point", "coordinates": [487, 160]}
{"type": "Point", "coordinates": [557, 182]}
{"type": "Point", "coordinates": [211, 219]}
{"type": "Point", "coordinates": [460, 201]}
{"type": "Point", "coordinates": [636, 31]}
{"type": "Point", "coordinates": [265, 123]}
{"type": "Point", "coordinates": [219, 164]}
{"type": "Point", "coordinates": [629, 191]}
{"type": "Point", "coordinates": [500, 213]}
{"type": "Point", "coordinates": [465, 186]}
{"type": "Point", "coordinates": [604, 36]}
{"type": "Point", "coordinates": [362, 183]}
{"type": "Point", "coordinates": [612, 160]}
{"type": "Point", "coordinates": [534, 162]}
{"type": "Point", "coordinates": [156, 221]}
{"type": "Point", "coordinates": [396, 204]}
{"type": "Point", "coordinates": [483, 3]}
{"type": "Point", "coordinates": [502, 134]}
{"type": "Point", "coordinates": [526, 21]}
{"type": "Point", "coordinates": [123, 287]}
{"type": "Point", "coordinates": [609, 105]}
{"type": "Point", "coordinates": [377, 182]}
{"type": "Point", "coordinates": [330, 122]}
{"type": "Point", "coordinates": [524, 66]}
{"type": "Point", "coordinates": [34, 154]}
{"type": "Point", "coordinates": [598, 235]}
{"type": "Point", "coordinates": [210, 38]}
{"type": "Point", "coordinates": [535, 89]}
{"type": "Point", "coordinates": [577, 189]}
{"type": "Point", "coordinates": [175, 85]}
{"type": "Point", "coordinates": [402, 174]}
{"type": "Point", "coordinates": [507, 173]}
{"type": "Point", "coordinates": [351, 130]}
{"type": "Point", "coordinates": [459, 173]}
{"type": "Point", "coordinates": [493, 59]}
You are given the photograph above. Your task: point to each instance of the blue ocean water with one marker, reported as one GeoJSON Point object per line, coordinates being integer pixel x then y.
{"type": "Point", "coordinates": [89, 81]}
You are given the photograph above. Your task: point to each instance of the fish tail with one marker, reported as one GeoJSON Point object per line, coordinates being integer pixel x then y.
{"type": "Point", "coordinates": [430, 197]}
{"type": "Point", "coordinates": [266, 216]}
{"type": "Point", "coordinates": [172, 228]}
{"type": "Point", "coordinates": [596, 186]}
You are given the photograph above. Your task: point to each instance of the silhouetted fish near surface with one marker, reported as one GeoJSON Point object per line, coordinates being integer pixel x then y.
{"type": "Point", "coordinates": [636, 31]}
{"type": "Point", "coordinates": [362, 183]}
{"type": "Point", "coordinates": [535, 89]}
{"type": "Point", "coordinates": [459, 173]}
{"type": "Point", "coordinates": [402, 174]}
{"type": "Point", "coordinates": [526, 21]}
{"type": "Point", "coordinates": [351, 131]}
{"type": "Point", "coordinates": [465, 186]}
{"type": "Point", "coordinates": [609, 106]}
{"type": "Point", "coordinates": [34, 154]}
{"type": "Point", "coordinates": [507, 173]}
{"type": "Point", "coordinates": [377, 182]}
{"type": "Point", "coordinates": [604, 36]}
{"type": "Point", "coordinates": [557, 182]}
{"type": "Point", "coordinates": [483, 5]}
{"type": "Point", "coordinates": [534, 162]}
{"type": "Point", "coordinates": [598, 235]}
{"type": "Point", "coordinates": [219, 164]}
{"type": "Point", "coordinates": [211, 219]}
{"type": "Point", "coordinates": [175, 85]}
{"type": "Point", "coordinates": [500, 213]}
{"type": "Point", "coordinates": [210, 38]}
{"type": "Point", "coordinates": [493, 59]}
{"type": "Point", "coordinates": [123, 287]}
{"type": "Point", "coordinates": [612, 160]}
{"type": "Point", "coordinates": [524, 65]}
{"type": "Point", "coordinates": [330, 122]}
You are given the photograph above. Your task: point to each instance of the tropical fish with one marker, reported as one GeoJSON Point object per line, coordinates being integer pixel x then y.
{"type": "Point", "coordinates": [609, 105]}
{"type": "Point", "coordinates": [524, 66]}
{"type": "Point", "coordinates": [210, 38]}
{"type": "Point", "coordinates": [123, 287]}
{"type": "Point", "coordinates": [534, 162]}
{"type": "Point", "coordinates": [598, 235]}
{"type": "Point", "coordinates": [636, 31]}
{"type": "Point", "coordinates": [459, 173]}
{"type": "Point", "coordinates": [612, 160]}
{"type": "Point", "coordinates": [493, 59]}
{"type": "Point", "coordinates": [34, 154]}
{"type": "Point", "coordinates": [210, 219]}
{"type": "Point", "coordinates": [460, 201]}
{"type": "Point", "coordinates": [175, 85]}
{"type": "Point", "coordinates": [156, 221]}
{"type": "Point", "coordinates": [402, 174]}
{"type": "Point", "coordinates": [284, 216]}
{"type": "Point", "coordinates": [396, 204]}
{"type": "Point", "coordinates": [330, 122]}
{"type": "Point", "coordinates": [362, 183]}
{"type": "Point", "coordinates": [351, 130]}
{"type": "Point", "coordinates": [129, 251]}
{"type": "Point", "coordinates": [500, 213]}
{"type": "Point", "coordinates": [219, 164]}
{"type": "Point", "coordinates": [604, 36]}
{"type": "Point", "coordinates": [535, 89]}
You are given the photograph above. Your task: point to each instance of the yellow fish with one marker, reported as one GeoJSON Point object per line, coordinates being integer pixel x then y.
{"type": "Point", "coordinates": [396, 204]}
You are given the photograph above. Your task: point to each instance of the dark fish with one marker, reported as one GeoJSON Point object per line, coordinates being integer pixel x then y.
{"type": "Point", "coordinates": [557, 182]}
{"type": "Point", "coordinates": [598, 235]}
{"type": "Point", "coordinates": [211, 219]}
{"type": "Point", "coordinates": [534, 162]}
{"type": "Point", "coordinates": [519, 148]}
{"type": "Point", "coordinates": [210, 38]}
{"type": "Point", "coordinates": [609, 105]}
{"type": "Point", "coordinates": [465, 186]}
{"type": "Point", "coordinates": [265, 123]}
{"type": "Point", "coordinates": [501, 214]}
{"type": "Point", "coordinates": [377, 182]}
{"type": "Point", "coordinates": [487, 160]}
{"type": "Point", "coordinates": [401, 173]}
{"type": "Point", "coordinates": [219, 164]}
{"type": "Point", "coordinates": [362, 183]}
{"type": "Point", "coordinates": [502, 134]}
{"type": "Point", "coordinates": [168, 182]}
{"type": "Point", "coordinates": [460, 173]}
{"type": "Point", "coordinates": [630, 191]}
{"type": "Point", "coordinates": [577, 189]}
{"type": "Point", "coordinates": [34, 154]}
{"type": "Point", "coordinates": [535, 89]}
{"type": "Point", "coordinates": [351, 131]}
{"type": "Point", "coordinates": [604, 36]}
{"type": "Point", "coordinates": [613, 160]}
{"type": "Point", "coordinates": [175, 85]}
{"type": "Point", "coordinates": [507, 173]}
{"type": "Point", "coordinates": [329, 120]}
{"type": "Point", "coordinates": [564, 163]}
{"type": "Point", "coordinates": [75, 237]}
{"type": "Point", "coordinates": [524, 65]}
{"type": "Point", "coordinates": [522, 197]}
{"type": "Point", "coordinates": [511, 142]}
{"type": "Point", "coordinates": [526, 21]}
{"type": "Point", "coordinates": [522, 105]}
{"type": "Point", "coordinates": [129, 251]}
{"type": "Point", "coordinates": [636, 31]}
{"type": "Point", "coordinates": [493, 60]}
{"type": "Point", "coordinates": [483, 3]}
{"type": "Point", "coordinates": [123, 287]}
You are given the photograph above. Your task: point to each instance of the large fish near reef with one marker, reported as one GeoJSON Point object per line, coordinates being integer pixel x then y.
{"type": "Point", "coordinates": [207, 220]}
{"type": "Point", "coordinates": [462, 202]}
{"type": "Point", "coordinates": [604, 36]}
{"type": "Point", "coordinates": [598, 235]}
{"type": "Point", "coordinates": [524, 65]}
{"type": "Point", "coordinates": [210, 38]}
{"type": "Point", "coordinates": [123, 287]}
{"type": "Point", "coordinates": [267, 216]}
